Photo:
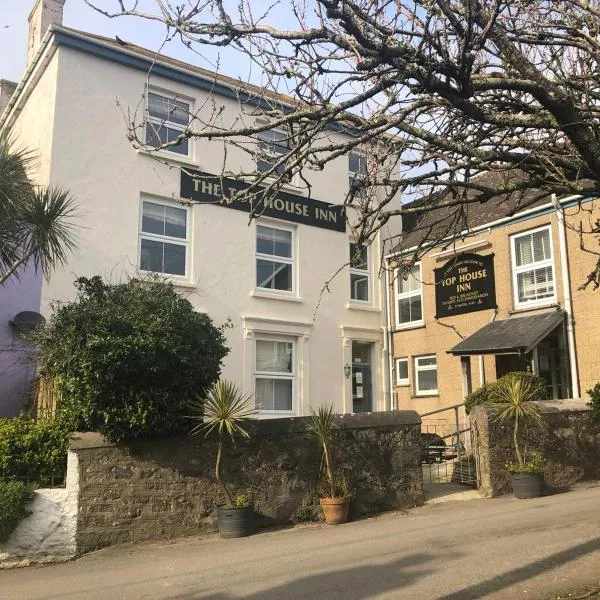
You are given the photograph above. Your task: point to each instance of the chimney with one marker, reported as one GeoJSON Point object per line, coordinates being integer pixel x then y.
{"type": "Point", "coordinates": [44, 14]}
{"type": "Point", "coordinates": [7, 89]}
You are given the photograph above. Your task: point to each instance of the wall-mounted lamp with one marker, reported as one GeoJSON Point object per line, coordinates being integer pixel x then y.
{"type": "Point", "coordinates": [347, 370]}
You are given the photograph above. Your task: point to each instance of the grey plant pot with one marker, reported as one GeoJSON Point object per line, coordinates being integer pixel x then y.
{"type": "Point", "coordinates": [235, 522]}
{"type": "Point", "coordinates": [527, 485]}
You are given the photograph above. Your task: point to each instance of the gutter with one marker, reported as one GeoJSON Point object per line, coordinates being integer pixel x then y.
{"type": "Point", "coordinates": [389, 338]}
{"type": "Point", "coordinates": [14, 99]}
{"type": "Point", "coordinates": [566, 281]}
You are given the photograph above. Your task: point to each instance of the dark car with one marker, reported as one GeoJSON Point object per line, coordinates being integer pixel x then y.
{"type": "Point", "coordinates": [433, 448]}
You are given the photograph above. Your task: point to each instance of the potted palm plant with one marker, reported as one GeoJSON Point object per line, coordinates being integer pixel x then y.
{"type": "Point", "coordinates": [513, 405]}
{"type": "Point", "coordinates": [222, 413]}
{"type": "Point", "coordinates": [335, 499]}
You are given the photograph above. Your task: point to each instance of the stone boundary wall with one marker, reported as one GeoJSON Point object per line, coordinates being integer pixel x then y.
{"type": "Point", "coordinates": [568, 438]}
{"type": "Point", "coordinates": [165, 488]}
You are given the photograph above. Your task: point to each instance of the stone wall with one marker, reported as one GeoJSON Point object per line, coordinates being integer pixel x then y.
{"type": "Point", "coordinates": [568, 438]}
{"type": "Point", "coordinates": [161, 489]}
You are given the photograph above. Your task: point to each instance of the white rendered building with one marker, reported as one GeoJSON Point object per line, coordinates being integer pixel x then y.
{"type": "Point", "coordinates": [135, 216]}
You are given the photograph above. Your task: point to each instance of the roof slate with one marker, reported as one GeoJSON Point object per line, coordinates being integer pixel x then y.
{"type": "Point", "coordinates": [517, 334]}
{"type": "Point", "coordinates": [435, 223]}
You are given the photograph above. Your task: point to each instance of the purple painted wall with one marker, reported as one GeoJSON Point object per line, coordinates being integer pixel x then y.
{"type": "Point", "coordinates": [17, 369]}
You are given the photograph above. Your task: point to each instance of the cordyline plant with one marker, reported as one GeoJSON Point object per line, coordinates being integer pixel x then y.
{"type": "Point", "coordinates": [452, 102]}
{"type": "Point", "coordinates": [513, 405]}
{"type": "Point", "coordinates": [223, 413]}
{"type": "Point", "coordinates": [36, 223]}
{"type": "Point", "coordinates": [322, 426]}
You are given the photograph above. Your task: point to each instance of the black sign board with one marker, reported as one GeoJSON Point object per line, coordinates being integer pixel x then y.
{"type": "Point", "coordinates": [210, 189]}
{"type": "Point", "coordinates": [465, 284]}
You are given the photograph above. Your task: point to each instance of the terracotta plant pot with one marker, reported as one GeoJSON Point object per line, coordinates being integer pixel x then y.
{"type": "Point", "coordinates": [527, 485]}
{"type": "Point", "coordinates": [336, 510]}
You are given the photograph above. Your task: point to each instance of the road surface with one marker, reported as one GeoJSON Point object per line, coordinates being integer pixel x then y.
{"type": "Point", "coordinates": [500, 548]}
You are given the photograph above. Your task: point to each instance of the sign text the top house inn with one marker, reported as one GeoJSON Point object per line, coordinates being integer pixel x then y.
{"type": "Point", "coordinates": [465, 284]}
{"type": "Point", "coordinates": [209, 189]}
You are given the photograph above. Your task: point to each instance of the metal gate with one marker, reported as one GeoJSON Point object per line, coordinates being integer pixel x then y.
{"type": "Point", "coordinates": [448, 454]}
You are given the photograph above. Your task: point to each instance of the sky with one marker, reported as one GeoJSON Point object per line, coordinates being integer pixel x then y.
{"type": "Point", "coordinates": [13, 36]}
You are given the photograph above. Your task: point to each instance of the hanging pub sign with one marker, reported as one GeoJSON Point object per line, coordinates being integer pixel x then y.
{"type": "Point", "coordinates": [465, 284]}
{"type": "Point", "coordinates": [210, 189]}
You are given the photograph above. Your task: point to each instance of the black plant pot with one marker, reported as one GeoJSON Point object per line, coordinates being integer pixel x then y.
{"type": "Point", "coordinates": [235, 522]}
{"type": "Point", "coordinates": [527, 485]}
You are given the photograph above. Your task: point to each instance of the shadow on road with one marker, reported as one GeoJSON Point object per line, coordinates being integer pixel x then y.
{"type": "Point", "coordinates": [525, 572]}
{"type": "Point", "coordinates": [370, 580]}
{"type": "Point", "coordinates": [347, 583]}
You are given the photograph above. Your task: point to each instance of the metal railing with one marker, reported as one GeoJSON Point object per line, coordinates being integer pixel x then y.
{"type": "Point", "coordinates": [443, 462]}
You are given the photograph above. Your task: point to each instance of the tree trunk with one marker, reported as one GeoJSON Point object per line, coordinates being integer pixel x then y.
{"type": "Point", "coordinates": [218, 473]}
{"type": "Point", "coordinates": [516, 441]}
{"type": "Point", "coordinates": [14, 268]}
{"type": "Point", "coordinates": [328, 467]}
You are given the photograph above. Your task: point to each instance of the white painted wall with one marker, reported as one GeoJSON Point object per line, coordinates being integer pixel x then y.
{"type": "Point", "coordinates": [92, 157]}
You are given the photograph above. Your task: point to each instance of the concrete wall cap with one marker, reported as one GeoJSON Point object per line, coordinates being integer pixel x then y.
{"type": "Point", "coordinates": [88, 439]}
{"type": "Point", "coordinates": [285, 426]}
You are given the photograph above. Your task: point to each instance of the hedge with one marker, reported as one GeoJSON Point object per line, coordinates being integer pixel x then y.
{"type": "Point", "coordinates": [14, 496]}
{"type": "Point", "coordinates": [33, 449]}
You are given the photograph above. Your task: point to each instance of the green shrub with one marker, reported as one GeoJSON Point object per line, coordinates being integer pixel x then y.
{"type": "Point", "coordinates": [36, 449]}
{"type": "Point", "coordinates": [594, 402]}
{"type": "Point", "coordinates": [488, 392]}
{"type": "Point", "coordinates": [14, 497]}
{"type": "Point", "coordinates": [483, 395]}
{"type": "Point", "coordinates": [127, 358]}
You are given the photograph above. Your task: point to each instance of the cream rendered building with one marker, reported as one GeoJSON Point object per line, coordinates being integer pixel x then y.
{"type": "Point", "coordinates": [266, 275]}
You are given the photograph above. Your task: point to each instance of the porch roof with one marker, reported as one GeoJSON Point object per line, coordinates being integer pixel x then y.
{"type": "Point", "coordinates": [517, 334]}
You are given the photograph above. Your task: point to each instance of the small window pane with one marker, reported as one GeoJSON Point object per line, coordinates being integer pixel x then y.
{"type": "Point", "coordinates": [274, 275]}
{"type": "Point", "coordinates": [168, 109]}
{"type": "Point", "coordinates": [276, 242]}
{"type": "Point", "coordinates": [427, 380]}
{"type": "Point", "coordinates": [535, 284]}
{"type": "Point", "coordinates": [409, 309]}
{"type": "Point", "coordinates": [426, 361]}
{"type": "Point", "coordinates": [274, 356]}
{"type": "Point", "coordinates": [153, 218]}
{"type": "Point", "coordinates": [402, 369]}
{"type": "Point", "coordinates": [359, 287]}
{"type": "Point", "coordinates": [274, 394]}
{"type": "Point", "coordinates": [175, 222]}
{"type": "Point", "coordinates": [359, 256]}
{"type": "Point", "coordinates": [156, 135]}
{"type": "Point", "coordinates": [151, 258]}
{"type": "Point", "coordinates": [409, 281]}
{"type": "Point", "coordinates": [174, 259]}
{"type": "Point", "coordinates": [357, 164]}
{"type": "Point", "coordinates": [160, 257]}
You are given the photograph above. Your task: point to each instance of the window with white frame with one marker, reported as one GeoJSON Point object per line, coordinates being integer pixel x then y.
{"type": "Point", "coordinates": [360, 273]}
{"type": "Point", "coordinates": [275, 374]}
{"type": "Point", "coordinates": [357, 173]}
{"type": "Point", "coordinates": [164, 238]}
{"type": "Point", "coordinates": [426, 375]}
{"type": "Point", "coordinates": [533, 267]}
{"type": "Point", "coordinates": [409, 297]}
{"type": "Point", "coordinates": [272, 145]}
{"type": "Point", "coordinates": [167, 119]}
{"type": "Point", "coordinates": [274, 258]}
{"type": "Point", "coordinates": [402, 371]}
